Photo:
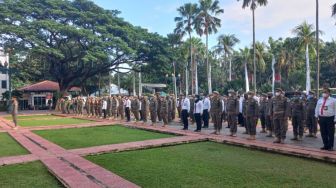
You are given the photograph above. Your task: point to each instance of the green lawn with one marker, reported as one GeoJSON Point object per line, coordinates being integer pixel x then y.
{"type": "Point", "coordinates": [32, 174]}
{"type": "Point", "coordinates": [9, 147]}
{"type": "Point", "coordinates": [94, 136]}
{"type": "Point", "coordinates": [39, 116]}
{"type": "Point", "coordinates": [46, 120]}
{"type": "Point", "coordinates": [208, 164]}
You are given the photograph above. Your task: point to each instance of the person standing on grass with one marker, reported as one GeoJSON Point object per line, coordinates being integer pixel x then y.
{"type": "Point", "coordinates": [198, 110]}
{"type": "Point", "coordinates": [15, 107]}
{"type": "Point", "coordinates": [185, 107]}
{"type": "Point", "coordinates": [104, 107]}
{"type": "Point", "coordinates": [325, 111]}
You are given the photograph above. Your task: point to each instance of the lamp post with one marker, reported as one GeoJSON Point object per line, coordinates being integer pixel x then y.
{"type": "Point", "coordinates": [179, 78]}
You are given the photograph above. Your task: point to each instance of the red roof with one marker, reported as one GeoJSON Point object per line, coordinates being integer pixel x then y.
{"type": "Point", "coordinates": [46, 85]}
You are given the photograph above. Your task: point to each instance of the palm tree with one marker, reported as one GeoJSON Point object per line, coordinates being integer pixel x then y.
{"type": "Point", "coordinates": [185, 25]}
{"type": "Point", "coordinates": [225, 45]}
{"type": "Point", "coordinates": [334, 10]}
{"type": "Point", "coordinates": [207, 23]}
{"type": "Point", "coordinates": [305, 34]}
{"type": "Point", "coordinates": [253, 5]}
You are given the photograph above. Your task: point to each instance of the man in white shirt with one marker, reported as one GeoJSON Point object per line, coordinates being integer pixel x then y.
{"type": "Point", "coordinates": [127, 109]}
{"type": "Point", "coordinates": [325, 111]}
{"type": "Point", "coordinates": [206, 109]}
{"type": "Point", "coordinates": [185, 111]}
{"type": "Point", "coordinates": [104, 107]}
{"type": "Point", "coordinates": [198, 110]}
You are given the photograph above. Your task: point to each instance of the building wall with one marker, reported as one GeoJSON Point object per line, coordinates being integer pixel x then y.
{"type": "Point", "coordinates": [4, 83]}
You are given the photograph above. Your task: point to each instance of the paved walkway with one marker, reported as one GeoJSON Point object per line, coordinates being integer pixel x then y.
{"type": "Point", "coordinates": [74, 171]}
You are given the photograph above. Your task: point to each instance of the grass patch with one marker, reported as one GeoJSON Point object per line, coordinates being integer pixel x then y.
{"type": "Point", "coordinates": [46, 120]}
{"type": "Point", "coordinates": [30, 116]}
{"type": "Point", "coordinates": [95, 136]}
{"type": "Point", "coordinates": [9, 147]}
{"type": "Point", "coordinates": [32, 174]}
{"type": "Point", "coordinates": [209, 164]}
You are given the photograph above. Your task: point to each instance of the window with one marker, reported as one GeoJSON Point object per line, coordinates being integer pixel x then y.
{"type": "Point", "coordinates": [4, 84]}
{"type": "Point", "coordinates": [39, 101]}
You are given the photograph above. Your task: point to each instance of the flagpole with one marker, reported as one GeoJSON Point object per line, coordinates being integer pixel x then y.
{"type": "Point", "coordinates": [273, 74]}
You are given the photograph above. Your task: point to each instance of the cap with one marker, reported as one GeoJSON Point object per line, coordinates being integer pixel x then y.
{"type": "Point", "coordinates": [278, 89]}
{"type": "Point", "coordinates": [216, 92]}
{"type": "Point", "coordinates": [231, 91]}
{"type": "Point", "coordinates": [250, 93]}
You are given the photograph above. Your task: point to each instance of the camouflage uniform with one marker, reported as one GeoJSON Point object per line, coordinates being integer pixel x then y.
{"type": "Point", "coordinates": [251, 114]}
{"type": "Point", "coordinates": [232, 109]}
{"type": "Point", "coordinates": [216, 111]}
{"type": "Point", "coordinates": [153, 109]}
{"type": "Point", "coordinates": [164, 111]}
{"type": "Point", "coordinates": [135, 108]}
{"type": "Point", "coordinates": [297, 114]}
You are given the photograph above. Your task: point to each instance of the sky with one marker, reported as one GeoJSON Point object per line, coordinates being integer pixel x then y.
{"type": "Point", "coordinates": [275, 20]}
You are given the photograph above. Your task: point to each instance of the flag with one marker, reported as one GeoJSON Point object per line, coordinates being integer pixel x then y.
{"type": "Point", "coordinates": [273, 73]}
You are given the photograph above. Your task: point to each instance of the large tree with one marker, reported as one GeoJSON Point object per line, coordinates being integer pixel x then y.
{"type": "Point", "coordinates": [225, 45]}
{"type": "Point", "coordinates": [305, 33]}
{"type": "Point", "coordinates": [207, 22]}
{"type": "Point", "coordinates": [252, 4]}
{"type": "Point", "coordinates": [185, 25]}
{"type": "Point", "coordinates": [73, 40]}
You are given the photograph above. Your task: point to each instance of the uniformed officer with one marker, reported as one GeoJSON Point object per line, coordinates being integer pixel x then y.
{"type": "Point", "coordinates": [191, 112]}
{"type": "Point", "coordinates": [135, 106]}
{"type": "Point", "coordinates": [164, 110]}
{"type": "Point", "coordinates": [310, 114]}
{"type": "Point", "coordinates": [232, 108]}
{"type": "Point", "coordinates": [173, 112]}
{"type": "Point", "coordinates": [114, 108]}
{"type": "Point", "coordinates": [144, 108]}
{"type": "Point", "coordinates": [159, 105]}
{"type": "Point", "coordinates": [121, 108]}
{"type": "Point", "coordinates": [153, 109]}
{"type": "Point", "coordinates": [280, 109]}
{"type": "Point", "coordinates": [216, 111]}
{"type": "Point", "coordinates": [262, 111]}
{"type": "Point", "coordinates": [170, 108]}
{"type": "Point", "coordinates": [269, 121]}
{"type": "Point", "coordinates": [251, 114]}
{"type": "Point", "coordinates": [297, 114]}
{"type": "Point", "coordinates": [15, 108]}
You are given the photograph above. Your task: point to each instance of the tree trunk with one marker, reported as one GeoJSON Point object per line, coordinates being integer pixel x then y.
{"type": "Point", "coordinates": [230, 69]}
{"type": "Point", "coordinates": [196, 79]}
{"type": "Point", "coordinates": [317, 50]}
{"type": "Point", "coordinates": [193, 76]}
{"type": "Point", "coordinates": [254, 55]}
{"type": "Point", "coordinates": [134, 90]}
{"type": "Point", "coordinates": [308, 87]}
{"type": "Point", "coordinates": [208, 64]}
{"type": "Point", "coordinates": [247, 85]}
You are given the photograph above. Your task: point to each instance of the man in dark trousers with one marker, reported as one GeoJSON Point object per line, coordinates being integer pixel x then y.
{"type": "Point", "coordinates": [325, 111]}
{"type": "Point", "coordinates": [310, 114]}
{"type": "Point", "coordinates": [206, 108]}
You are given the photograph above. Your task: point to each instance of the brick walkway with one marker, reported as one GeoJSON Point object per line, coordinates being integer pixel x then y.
{"type": "Point", "coordinates": [74, 171]}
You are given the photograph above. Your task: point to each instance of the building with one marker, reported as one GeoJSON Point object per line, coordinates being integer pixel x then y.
{"type": "Point", "coordinates": [37, 96]}
{"type": "Point", "coordinates": [4, 78]}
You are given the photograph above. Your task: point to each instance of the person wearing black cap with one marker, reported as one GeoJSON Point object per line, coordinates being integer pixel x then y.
{"type": "Point", "coordinates": [279, 111]}
{"type": "Point", "coordinates": [325, 111]}
{"type": "Point", "coordinates": [310, 114]}
{"type": "Point", "coordinates": [297, 114]}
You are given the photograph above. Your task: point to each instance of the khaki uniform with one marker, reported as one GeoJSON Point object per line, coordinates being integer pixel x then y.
{"type": "Point", "coordinates": [279, 111]}
{"type": "Point", "coordinates": [164, 111]}
{"type": "Point", "coordinates": [262, 112]}
{"type": "Point", "coordinates": [135, 109]}
{"type": "Point", "coordinates": [173, 112]}
{"type": "Point", "coordinates": [153, 109]}
{"type": "Point", "coordinates": [269, 121]}
{"type": "Point", "coordinates": [191, 112]}
{"type": "Point", "coordinates": [170, 109]}
{"type": "Point", "coordinates": [121, 108]}
{"type": "Point", "coordinates": [310, 115]}
{"type": "Point", "coordinates": [232, 109]}
{"type": "Point", "coordinates": [144, 108]}
{"type": "Point", "coordinates": [114, 107]}
{"type": "Point", "coordinates": [297, 114]}
{"type": "Point", "coordinates": [216, 111]}
{"type": "Point", "coordinates": [251, 113]}
{"type": "Point", "coordinates": [109, 107]}
{"type": "Point", "coordinates": [159, 107]}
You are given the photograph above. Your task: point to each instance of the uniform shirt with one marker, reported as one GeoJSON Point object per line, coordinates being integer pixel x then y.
{"type": "Point", "coordinates": [198, 108]}
{"type": "Point", "coordinates": [186, 104]}
{"type": "Point", "coordinates": [206, 104]}
{"type": "Point", "coordinates": [241, 100]}
{"type": "Point", "coordinates": [128, 103]}
{"type": "Point", "coordinates": [223, 106]}
{"type": "Point", "coordinates": [104, 107]}
{"type": "Point", "coordinates": [329, 109]}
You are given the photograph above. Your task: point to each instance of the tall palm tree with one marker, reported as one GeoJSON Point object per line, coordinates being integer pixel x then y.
{"type": "Point", "coordinates": [317, 50]}
{"type": "Point", "coordinates": [225, 45]}
{"type": "Point", "coordinates": [253, 5]}
{"type": "Point", "coordinates": [306, 34]}
{"type": "Point", "coordinates": [207, 23]}
{"type": "Point", "coordinates": [185, 25]}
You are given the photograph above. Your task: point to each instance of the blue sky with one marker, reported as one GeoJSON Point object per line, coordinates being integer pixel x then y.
{"type": "Point", "coordinates": [276, 20]}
